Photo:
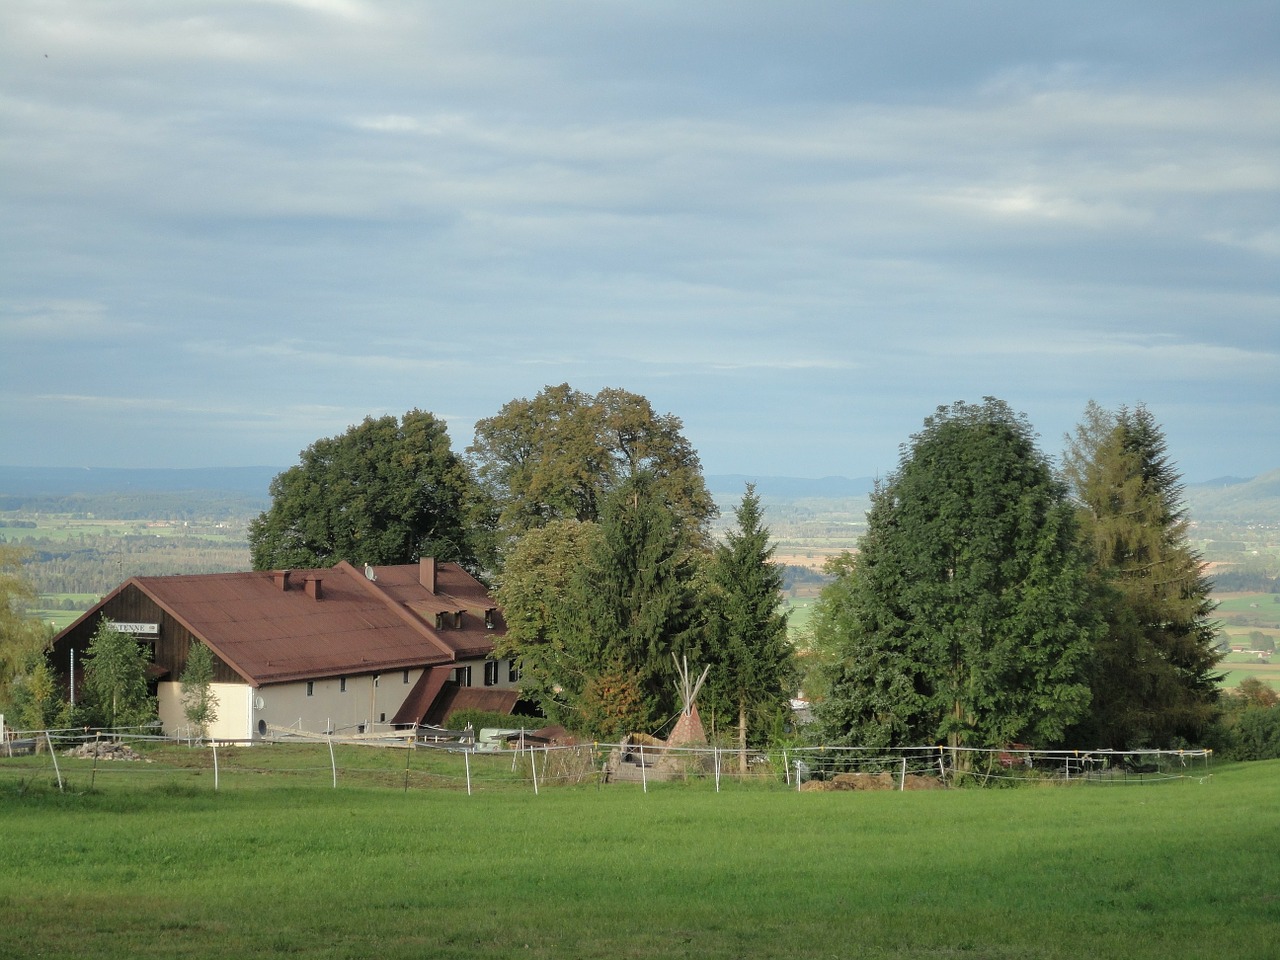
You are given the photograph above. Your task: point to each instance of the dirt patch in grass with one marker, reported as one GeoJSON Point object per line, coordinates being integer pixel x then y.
{"type": "Point", "coordinates": [873, 781]}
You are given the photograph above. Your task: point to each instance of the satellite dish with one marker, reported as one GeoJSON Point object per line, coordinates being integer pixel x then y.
{"type": "Point", "coordinates": [258, 703]}
{"type": "Point", "coordinates": [368, 572]}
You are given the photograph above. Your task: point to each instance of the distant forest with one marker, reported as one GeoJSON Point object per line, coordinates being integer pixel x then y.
{"type": "Point", "coordinates": [98, 563]}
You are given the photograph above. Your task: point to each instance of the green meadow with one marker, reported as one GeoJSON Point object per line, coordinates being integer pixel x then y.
{"type": "Point", "coordinates": [158, 866]}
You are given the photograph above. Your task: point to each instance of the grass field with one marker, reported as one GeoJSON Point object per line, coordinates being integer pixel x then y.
{"type": "Point", "coordinates": [1181, 869]}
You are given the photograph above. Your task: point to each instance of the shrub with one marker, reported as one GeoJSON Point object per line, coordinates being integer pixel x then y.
{"type": "Point", "coordinates": [492, 719]}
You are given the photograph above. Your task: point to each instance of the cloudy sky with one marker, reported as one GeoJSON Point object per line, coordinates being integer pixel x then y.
{"type": "Point", "coordinates": [230, 228]}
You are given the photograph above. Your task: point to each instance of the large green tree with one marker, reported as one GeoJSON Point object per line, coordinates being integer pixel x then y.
{"type": "Point", "coordinates": [752, 662]}
{"type": "Point", "coordinates": [965, 618]}
{"type": "Point", "coordinates": [537, 593]}
{"type": "Point", "coordinates": [386, 491]}
{"type": "Point", "coordinates": [634, 605]}
{"type": "Point", "coordinates": [1152, 674]}
{"type": "Point", "coordinates": [560, 455]}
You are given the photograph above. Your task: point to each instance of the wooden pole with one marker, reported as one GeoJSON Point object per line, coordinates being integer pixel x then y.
{"type": "Point", "coordinates": [53, 754]}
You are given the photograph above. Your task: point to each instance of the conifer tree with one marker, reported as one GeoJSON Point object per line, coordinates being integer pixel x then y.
{"type": "Point", "coordinates": [635, 600]}
{"type": "Point", "coordinates": [1152, 675]}
{"type": "Point", "coordinates": [965, 616]}
{"type": "Point", "coordinates": [752, 661]}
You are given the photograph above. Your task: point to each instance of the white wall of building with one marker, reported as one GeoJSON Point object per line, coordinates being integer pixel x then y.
{"type": "Point", "coordinates": [233, 703]}
{"type": "Point", "coordinates": [342, 706]}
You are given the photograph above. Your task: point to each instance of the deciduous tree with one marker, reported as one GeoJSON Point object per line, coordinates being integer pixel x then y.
{"type": "Point", "coordinates": [199, 704]}
{"type": "Point", "coordinates": [22, 639]}
{"type": "Point", "coordinates": [538, 600]}
{"type": "Point", "coordinates": [387, 491]}
{"type": "Point", "coordinates": [116, 676]}
{"type": "Point", "coordinates": [559, 455]}
{"type": "Point", "coordinates": [965, 617]}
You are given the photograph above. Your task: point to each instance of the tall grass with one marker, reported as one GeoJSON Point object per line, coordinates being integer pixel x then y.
{"type": "Point", "coordinates": [1185, 869]}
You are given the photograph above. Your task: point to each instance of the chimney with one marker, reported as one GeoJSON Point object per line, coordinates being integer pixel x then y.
{"type": "Point", "coordinates": [281, 578]}
{"type": "Point", "coordinates": [427, 573]}
{"type": "Point", "coordinates": [312, 586]}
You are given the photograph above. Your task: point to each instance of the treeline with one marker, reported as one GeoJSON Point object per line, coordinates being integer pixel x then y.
{"type": "Point", "coordinates": [793, 577]}
{"type": "Point", "coordinates": [1245, 581]}
{"type": "Point", "coordinates": [187, 505]}
{"type": "Point", "coordinates": [99, 563]}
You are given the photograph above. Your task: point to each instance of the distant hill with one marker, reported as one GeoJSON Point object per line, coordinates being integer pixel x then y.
{"type": "Point", "coordinates": [1224, 500]}
{"type": "Point", "coordinates": [789, 488]}
{"type": "Point", "coordinates": [61, 481]}
{"type": "Point", "coordinates": [131, 494]}
{"type": "Point", "coordinates": [1231, 500]}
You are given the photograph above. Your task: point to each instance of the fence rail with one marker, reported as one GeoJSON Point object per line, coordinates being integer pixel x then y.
{"type": "Point", "coordinates": [137, 757]}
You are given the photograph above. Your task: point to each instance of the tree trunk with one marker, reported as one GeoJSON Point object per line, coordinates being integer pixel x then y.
{"type": "Point", "coordinates": [742, 735]}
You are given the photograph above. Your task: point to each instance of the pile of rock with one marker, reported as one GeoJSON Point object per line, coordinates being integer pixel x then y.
{"type": "Point", "coordinates": [105, 750]}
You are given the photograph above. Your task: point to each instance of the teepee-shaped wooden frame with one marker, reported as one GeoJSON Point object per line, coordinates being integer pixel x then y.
{"type": "Point", "coordinates": [688, 728]}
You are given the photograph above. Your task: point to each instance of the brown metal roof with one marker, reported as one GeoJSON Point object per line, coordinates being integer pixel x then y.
{"type": "Point", "coordinates": [453, 698]}
{"type": "Point", "coordinates": [355, 625]}
{"type": "Point", "coordinates": [420, 698]}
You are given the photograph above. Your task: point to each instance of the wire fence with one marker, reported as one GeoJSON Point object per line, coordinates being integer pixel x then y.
{"type": "Point", "coordinates": [417, 760]}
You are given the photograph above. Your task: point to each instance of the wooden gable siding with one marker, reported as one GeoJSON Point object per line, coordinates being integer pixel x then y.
{"type": "Point", "coordinates": [131, 605]}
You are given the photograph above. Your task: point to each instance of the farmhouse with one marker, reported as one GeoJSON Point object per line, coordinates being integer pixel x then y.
{"type": "Point", "coordinates": [333, 650]}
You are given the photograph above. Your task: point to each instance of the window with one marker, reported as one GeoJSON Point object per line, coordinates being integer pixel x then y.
{"type": "Point", "coordinates": [342, 684]}
{"type": "Point", "coordinates": [406, 677]}
{"type": "Point", "coordinates": [513, 671]}
{"type": "Point", "coordinates": [462, 676]}
{"type": "Point", "coordinates": [311, 688]}
{"type": "Point", "coordinates": [376, 678]}
{"type": "Point", "coordinates": [488, 619]}
{"type": "Point", "coordinates": [490, 673]}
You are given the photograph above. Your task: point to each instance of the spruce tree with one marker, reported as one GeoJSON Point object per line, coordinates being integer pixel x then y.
{"type": "Point", "coordinates": [636, 603]}
{"type": "Point", "coordinates": [965, 616]}
{"type": "Point", "coordinates": [752, 661]}
{"type": "Point", "coordinates": [1153, 674]}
